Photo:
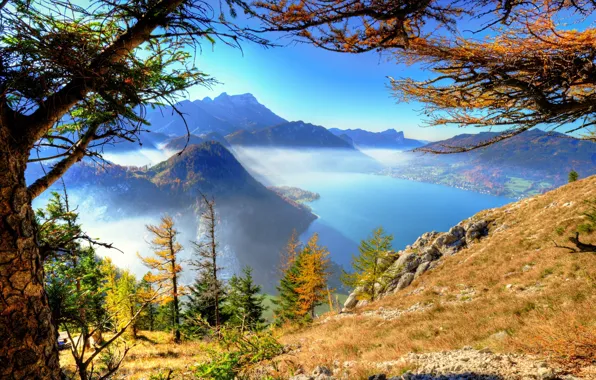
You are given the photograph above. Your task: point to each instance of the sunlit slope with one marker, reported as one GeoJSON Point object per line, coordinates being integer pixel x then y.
{"type": "Point", "coordinates": [511, 291]}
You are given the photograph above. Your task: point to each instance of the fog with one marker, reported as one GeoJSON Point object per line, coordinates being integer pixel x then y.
{"type": "Point", "coordinates": [110, 218]}
{"type": "Point", "coordinates": [391, 157]}
{"type": "Point", "coordinates": [103, 221]}
{"type": "Point", "coordinates": [274, 166]}
{"type": "Point", "coordinates": [140, 157]}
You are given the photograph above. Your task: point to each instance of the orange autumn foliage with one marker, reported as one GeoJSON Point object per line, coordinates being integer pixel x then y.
{"type": "Point", "coordinates": [536, 65]}
{"type": "Point", "coordinates": [313, 267]}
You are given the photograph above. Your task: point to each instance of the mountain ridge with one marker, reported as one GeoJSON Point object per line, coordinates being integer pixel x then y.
{"type": "Point", "coordinates": [388, 139]}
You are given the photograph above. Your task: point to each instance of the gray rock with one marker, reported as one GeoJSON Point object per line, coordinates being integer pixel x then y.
{"type": "Point", "coordinates": [476, 230]}
{"type": "Point", "coordinates": [421, 269]}
{"type": "Point", "coordinates": [424, 239]}
{"type": "Point", "coordinates": [430, 254]}
{"type": "Point", "coordinates": [380, 376]}
{"type": "Point", "coordinates": [546, 373]}
{"type": "Point", "coordinates": [404, 281]}
{"type": "Point", "coordinates": [443, 240]}
{"type": "Point", "coordinates": [352, 299]}
{"type": "Point", "coordinates": [458, 231]}
{"type": "Point", "coordinates": [407, 262]}
{"type": "Point", "coordinates": [321, 370]}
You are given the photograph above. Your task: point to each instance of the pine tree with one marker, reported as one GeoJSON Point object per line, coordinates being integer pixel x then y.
{"type": "Point", "coordinates": [166, 268]}
{"type": "Point", "coordinates": [287, 300]}
{"type": "Point", "coordinates": [573, 176]}
{"type": "Point", "coordinates": [207, 293]}
{"type": "Point", "coordinates": [370, 264]}
{"type": "Point", "coordinates": [244, 305]}
{"type": "Point", "coordinates": [313, 268]}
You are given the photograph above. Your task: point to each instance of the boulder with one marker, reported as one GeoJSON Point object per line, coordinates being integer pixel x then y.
{"type": "Point", "coordinates": [430, 254]}
{"type": "Point", "coordinates": [476, 230]}
{"type": "Point", "coordinates": [321, 370]}
{"type": "Point", "coordinates": [407, 262]}
{"type": "Point", "coordinates": [424, 240]}
{"type": "Point", "coordinates": [421, 269]}
{"type": "Point", "coordinates": [352, 299]}
{"type": "Point", "coordinates": [404, 281]}
{"type": "Point", "coordinates": [458, 231]}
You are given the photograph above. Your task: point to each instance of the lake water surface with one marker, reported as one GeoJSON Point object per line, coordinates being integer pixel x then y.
{"type": "Point", "coordinates": [353, 204]}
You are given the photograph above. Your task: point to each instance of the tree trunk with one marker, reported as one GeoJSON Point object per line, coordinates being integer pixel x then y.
{"type": "Point", "coordinates": [28, 338]}
{"type": "Point", "coordinates": [176, 306]}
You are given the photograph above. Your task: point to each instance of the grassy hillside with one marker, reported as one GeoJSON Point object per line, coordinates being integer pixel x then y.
{"type": "Point", "coordinates": [319, 310]}
{"type": "Point", "coordinates": [512, 291]}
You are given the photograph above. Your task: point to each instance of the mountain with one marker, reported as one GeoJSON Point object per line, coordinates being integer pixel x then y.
{"type": "Point", "coordinates": [255, 222]}
{"type": "Point", "coordinates": [179, 143]}
{"type": "Point", "coordinates": [534, 149]}
{"type": "Point", "coordinates": [224, 114]}
{"type": "Point", "coordinates": [295, 134]}
{"type": "Point", "coordinates": [389, 139]}
{"type": "Point", "coordinates": [242, 111]}
{"type": "Point", "coordinates": [495, 297]}
{"type": "Point", "coordinates": [527, 164]}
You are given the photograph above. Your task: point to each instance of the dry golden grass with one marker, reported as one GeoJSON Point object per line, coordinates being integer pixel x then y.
{"type": "Point", "coordinates": [514, 282]}
{"type": "Point", "coordinates": [153, 352]}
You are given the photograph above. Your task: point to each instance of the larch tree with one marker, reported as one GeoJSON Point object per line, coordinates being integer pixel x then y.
{"type": "Point", "coordinates": [313, 271]}
{"type": "Point", "coordinates": [209, 289]}
{"type": "Point", "coordinates": [73, 78]}
{"type": "Point", "coordinates": [370, 265]}
{"type": "Point", "coordinates": [165, 268]}
{"type": "Point", "coordinates": [534, 66]}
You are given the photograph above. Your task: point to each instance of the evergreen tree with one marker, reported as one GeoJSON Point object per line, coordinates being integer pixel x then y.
{"type": "Point", "coordinates": [573, 176]}
{"type": "Point", "coordinates": [287, 299]}
{"type": "Point", "coordinates": [166, 267]}
{"type": "Point", "coordinates": [244, 305]}
{"type": "Point", "coordinates": [207, 293]}
{"type": "Point", "coordinates": [147, 319]}
{"type": "Point", "coordinates": [201, 307]}
{"type": "Point", "coordinates": [313, 271]}
{"type": "Point", "coordinates": [72, 271]}
{"type": "Point", "coordinates": [370, 264]}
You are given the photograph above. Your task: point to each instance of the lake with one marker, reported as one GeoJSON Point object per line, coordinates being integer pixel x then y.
{"type": "Point", "coordinates": [353, 204]}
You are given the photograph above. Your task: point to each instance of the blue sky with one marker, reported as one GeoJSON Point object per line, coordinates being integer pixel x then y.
{"type": "Point", "coordinates": [301, 82]}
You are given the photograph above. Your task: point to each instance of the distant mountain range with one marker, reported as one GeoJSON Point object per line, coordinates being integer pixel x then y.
{"type": "Point", "coordinates": [389, 139]}
{"type": "Point", "coordinates": [534, 149]}
{"type": "Point", "coordinates": [295, 134]}
{"type": "Point", "coordinates": [529, 163]}
{"type": "Point", "coordinates": [223, 114]}
{"type": "Point", "coordinates": [179, 143]}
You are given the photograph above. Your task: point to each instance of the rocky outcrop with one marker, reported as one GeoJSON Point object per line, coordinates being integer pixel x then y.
{"type": "Point", "coordinates": [423, 255]}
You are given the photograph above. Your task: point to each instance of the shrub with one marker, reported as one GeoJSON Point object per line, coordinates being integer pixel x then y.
{"type": "Point", "coordinates": [239, 354]}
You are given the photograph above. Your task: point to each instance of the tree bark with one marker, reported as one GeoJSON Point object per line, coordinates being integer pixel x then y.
{"type": "Point", "coordinates": [175, 291]}
{"type": "Point", "coordinates": [28, 348]}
